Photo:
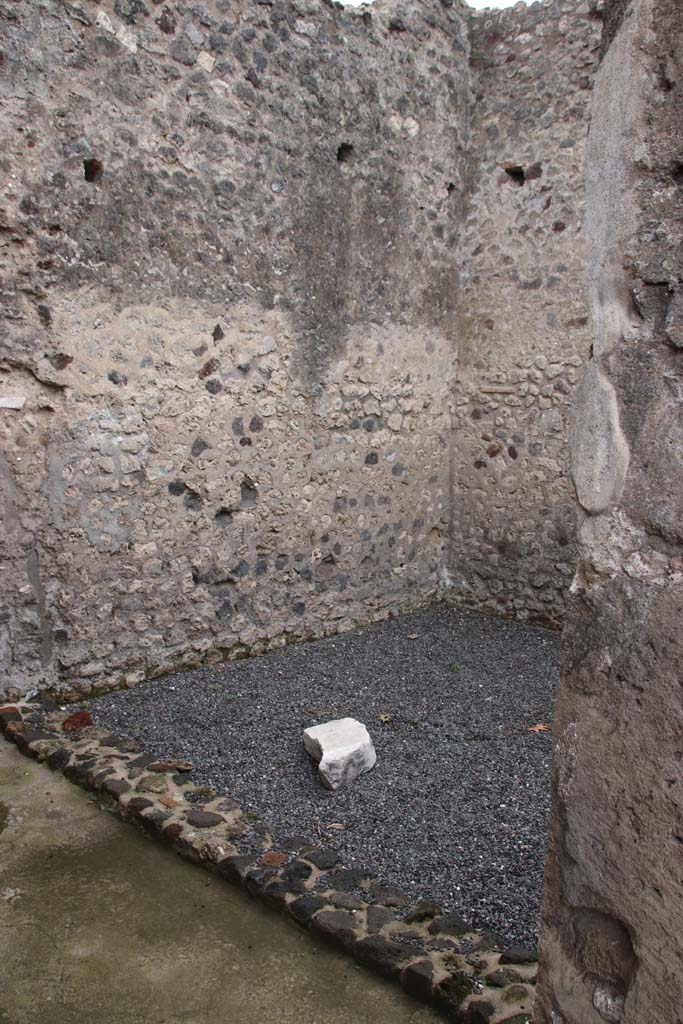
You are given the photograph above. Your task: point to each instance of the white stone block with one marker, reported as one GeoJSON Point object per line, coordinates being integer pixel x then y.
{"type": "Point", "coordinates": [343, 749]}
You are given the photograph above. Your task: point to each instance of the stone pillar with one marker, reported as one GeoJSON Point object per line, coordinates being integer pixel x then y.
{"type": "Point", "coordinates": [612, 930]}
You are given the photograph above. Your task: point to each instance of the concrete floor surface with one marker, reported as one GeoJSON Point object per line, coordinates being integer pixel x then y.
{"type": "Point", "coordinates": [100, 924]}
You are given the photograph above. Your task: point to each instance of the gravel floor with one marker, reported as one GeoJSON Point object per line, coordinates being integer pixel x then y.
{"type": "Point", "coordinates": [456, 807]}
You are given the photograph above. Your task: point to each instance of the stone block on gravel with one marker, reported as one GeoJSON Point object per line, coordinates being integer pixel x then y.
{"type": "Point", "coordinates": [343, 750]}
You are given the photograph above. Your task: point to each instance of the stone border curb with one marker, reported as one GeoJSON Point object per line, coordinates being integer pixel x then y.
{"type": "Point", "coordinates": [436, 957]}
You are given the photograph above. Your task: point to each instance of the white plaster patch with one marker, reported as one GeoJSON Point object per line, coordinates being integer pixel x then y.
{"type": "Point", "coordinates": [15, 402]}
{"type": "Point", "coordinates": [609, 1006]}
{"type": "Point", "coordinates": [599, 451]}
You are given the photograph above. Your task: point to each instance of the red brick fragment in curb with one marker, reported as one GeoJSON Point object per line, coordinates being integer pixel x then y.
{"type": "Point", "coordinates": [79, 720]}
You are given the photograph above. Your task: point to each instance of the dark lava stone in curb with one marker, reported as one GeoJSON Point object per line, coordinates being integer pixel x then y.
{"type": "Point", "coordinates": [423, 911]}
{"type": "Point", "coordinates": [275, 894]}
{"type": "Point", "coordinates": [449, 924]}
{"type": "Point", "coordinates": [486, 942]}
{"type": "Point", "coordinates": [336, 925]}
{"type": "Point", "coordinates": [517, 955]}
{"type": "Point", "coordinates": [497, 979]}
{"type": "Point", "coordinates": [346, 901]}
{"type": "Point", "coordinates": [377, 917]}
{"type": "Point", "coordinates": [347, 879]}
{"type": "Point", "coordinates": [203, 819]}
{"type": "Point", "coordinates": [324, 859]}
{"type": "Point", "coordinates": [24, 739]}
{"type": "Point", "coordinates": [141, 762]}
{"type": "Point", "coordinates": [296, 875]}
{"type": "Point", "coordinates": [388, 895]}
{"type": "Point", "coordinates": [303, 909]}
{"type": "Point", "coordinates": [417, 980]}
{"type": "Point", "coordinates": [258, 878]}
{"type": "Point", "coordinates": [384, 956]}
{"type": "Point", "coordinates": [77, 772]}
{"type": "Point", "coordinates": [153, 821]}
{"type": "Point", "coordinates": [98, 778]}
{"type": "Point", "coordinates": [453, 990]}
{"type": "Point", "coordinates": [480, 1012]}
{"type": "Point", "coordinates": [8, 715]}
{"type": "Point", "coordinates": [58, 759]}
{"type": "Point", "coordinates": [236, 868]}
{"type": "Point", "coordinates": [173, 832]}
{"type": "Point", "coordinates": [115, 787]}
{"type": "Point", "coordinates": [138, 803]}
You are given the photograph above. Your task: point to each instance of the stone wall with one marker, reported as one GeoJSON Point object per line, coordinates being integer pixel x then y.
{"type": "Point", "coordinates": [243, 247]}
{"type": "Point", "coordinates": [613, 903]}
{"type": "Point", "coordinates": [228, 238]}
{"type": "Point", "coordinates": [524, 318]}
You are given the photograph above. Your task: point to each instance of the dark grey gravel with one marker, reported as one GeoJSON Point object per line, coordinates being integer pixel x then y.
{"type": "Point", "coordinates": [455, 809]}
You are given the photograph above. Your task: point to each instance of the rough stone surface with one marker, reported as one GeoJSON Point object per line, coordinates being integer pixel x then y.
{"type": "Point", "coordinates": [523, 331]}
{"type": "Point", "coordinates": [342, 749]}
{"type": "Point", "coordinates": [229, 301]}
{"type": "Point", "coordinates": [611, 934]}
{"type": "Point", "coordinates": [234, 239]}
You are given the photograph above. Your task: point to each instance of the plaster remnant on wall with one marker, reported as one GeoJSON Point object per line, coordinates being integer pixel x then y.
{"type": "Point", "coordinates": [599, 451]}
{"type": "Point", "coordinates": [610, 1005]}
